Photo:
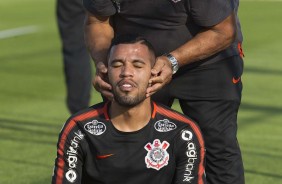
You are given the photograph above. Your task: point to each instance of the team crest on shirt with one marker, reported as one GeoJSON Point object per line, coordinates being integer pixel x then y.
{"type": "Point", "coordinates": [157, 156]}
{"type": "Point", "coordinates": [164, 125]}
{"type": "Point", "coordinates": [94, 127]}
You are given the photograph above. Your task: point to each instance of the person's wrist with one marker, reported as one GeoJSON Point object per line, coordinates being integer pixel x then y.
{"type": "Point", "coordinates": [173, 61]}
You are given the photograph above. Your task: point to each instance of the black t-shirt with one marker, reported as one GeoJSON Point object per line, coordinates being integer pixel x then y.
{"type": "Point", "coordinates": [168, 150]}
{"type": "Point", "coordinates": [167, 24]}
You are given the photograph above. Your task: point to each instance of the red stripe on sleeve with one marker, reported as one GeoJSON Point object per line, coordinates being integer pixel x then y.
{"type": "Point", "coordinates": [197, 131]}
{"type": "Point", "coordinates": [62, 141]}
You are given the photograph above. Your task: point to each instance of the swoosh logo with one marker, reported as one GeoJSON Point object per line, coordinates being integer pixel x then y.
{"type": "Point", "coordinates": [235, 81]}
{"type": "Point", "coordinates": [103, 156]}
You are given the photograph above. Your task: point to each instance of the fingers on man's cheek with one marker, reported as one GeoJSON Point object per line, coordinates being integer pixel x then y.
{"type": "Point", "coordinates": [107, 93]}
{"type": "Point", "coordinates": [154, 88]}
{"type": "Point", "coordinates": [149, 94]}
{"type": "Point", "coordinates": [154, 72]}
{"type": "Point", "coordinates": [157, 80]}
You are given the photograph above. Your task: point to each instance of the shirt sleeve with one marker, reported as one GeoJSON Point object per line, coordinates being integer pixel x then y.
{"type": "Point", "coordinates": [100, 7]}
{"type": "Point", "coordinates": [189, 154]}
{"type": "Point", "coordinates": [210, 12]}
{"type": "Point", "coordinates": [68, 164]}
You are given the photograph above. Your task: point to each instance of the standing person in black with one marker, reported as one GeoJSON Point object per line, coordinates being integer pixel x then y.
{"type": "Point", "coordinates": [198, 44]}
{"type": "Point", "coordinates": [130, 140]}
{"type": "Point", "coordinates": [77, 68]}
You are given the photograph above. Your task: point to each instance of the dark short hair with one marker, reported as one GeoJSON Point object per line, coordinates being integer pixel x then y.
{"type": "Point", "coordinates": [132, 38]}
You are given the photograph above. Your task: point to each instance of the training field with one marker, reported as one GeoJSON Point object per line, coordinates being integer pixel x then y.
{"type": "Point", "coordinates": [32, 91]}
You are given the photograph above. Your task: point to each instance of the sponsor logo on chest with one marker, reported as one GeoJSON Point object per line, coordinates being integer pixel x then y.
{"type": "Point", "coordinates": [164, 125]}
{"type": "Point", "coordinates": [95, 128]}
{"type": "Point", "coordinates": [157, 156]}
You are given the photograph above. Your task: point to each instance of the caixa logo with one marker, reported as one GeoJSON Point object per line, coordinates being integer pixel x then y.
{"type": "Point", "coordinates": [94, 127]}
{"type": "Point", "coordinates": [165, 126]}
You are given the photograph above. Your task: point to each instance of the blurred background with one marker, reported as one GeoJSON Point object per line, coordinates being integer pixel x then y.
{"type": "Point", "coordinates": [32, 91]}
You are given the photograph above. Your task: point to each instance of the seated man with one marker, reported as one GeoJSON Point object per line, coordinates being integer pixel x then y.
{"type": "Point", "coordinates": [130, 140]}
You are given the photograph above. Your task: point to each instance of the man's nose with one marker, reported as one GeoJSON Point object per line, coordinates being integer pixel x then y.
{"type": "Point", "coordinates": [127, 71]}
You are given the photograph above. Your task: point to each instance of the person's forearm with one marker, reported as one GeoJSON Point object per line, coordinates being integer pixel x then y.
{"type": "Point", "coordinates": [207, 43]}
{"type": "Point", "coordinates": [98, 36]}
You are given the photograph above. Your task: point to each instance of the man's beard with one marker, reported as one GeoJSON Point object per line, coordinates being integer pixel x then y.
{"type": "Point", "coordinates": [128, 101]}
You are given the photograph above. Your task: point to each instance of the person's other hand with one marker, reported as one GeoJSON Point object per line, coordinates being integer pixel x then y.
{"type": "Point", "coordinates": [161, 75]}
{"type": "Point", "coordinates": [100, 81]}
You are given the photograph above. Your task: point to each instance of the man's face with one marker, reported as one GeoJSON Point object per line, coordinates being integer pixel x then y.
{"type": "Point", "coordinates": [129, 71]}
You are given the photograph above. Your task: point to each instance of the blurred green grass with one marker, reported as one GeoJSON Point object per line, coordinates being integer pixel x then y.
{"type": "Point", "coordinates": [261, 111]}
{"type": "Point", "coordinates": [32, 92]}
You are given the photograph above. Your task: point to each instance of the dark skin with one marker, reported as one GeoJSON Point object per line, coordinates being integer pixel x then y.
{"type": "Point", "coordinates": [208, 42]}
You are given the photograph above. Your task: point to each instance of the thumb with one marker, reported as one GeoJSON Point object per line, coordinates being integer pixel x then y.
{"type": "Point", "coordinates": [157, 67]}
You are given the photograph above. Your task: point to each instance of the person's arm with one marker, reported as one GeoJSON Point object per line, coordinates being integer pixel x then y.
{"type": "Point", "coordinates": [206, 43]}
{"type": "Point", "coordinates": [98, 36]}
{"type": "Point", "coordinates": [189, 154]}
{"type": "Point", "coordinates": [69, 161]}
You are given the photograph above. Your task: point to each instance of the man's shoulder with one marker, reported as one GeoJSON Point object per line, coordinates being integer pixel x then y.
{"type": "Point", "coordinates": [85, 120]}
{"type": "Point", "coordinates": [171, 114]}
{"type": "Point", "coordinates": [89, 113]}
{"type": "Point", "coordinates": [173, 120]}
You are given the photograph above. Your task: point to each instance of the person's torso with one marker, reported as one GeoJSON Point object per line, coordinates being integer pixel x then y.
{"type": "Point", "coordinates": [144, 156]}
{"type": "Point", "coordinates": [162, 22]}
{"type": "Point", "coordinates": [167, 24]}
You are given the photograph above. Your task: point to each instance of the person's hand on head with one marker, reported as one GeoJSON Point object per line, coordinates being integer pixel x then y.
{"type": "Point", "coordinates": [161, 75]}
{"type": "Point", "coordinates": [100, 81]}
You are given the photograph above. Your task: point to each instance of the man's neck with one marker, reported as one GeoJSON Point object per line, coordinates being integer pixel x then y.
{"type": "Point", "coordinates": [130, 119]}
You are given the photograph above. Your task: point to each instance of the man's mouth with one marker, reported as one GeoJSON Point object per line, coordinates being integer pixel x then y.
{"type": "Point", "coordinates": [126, 86]}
